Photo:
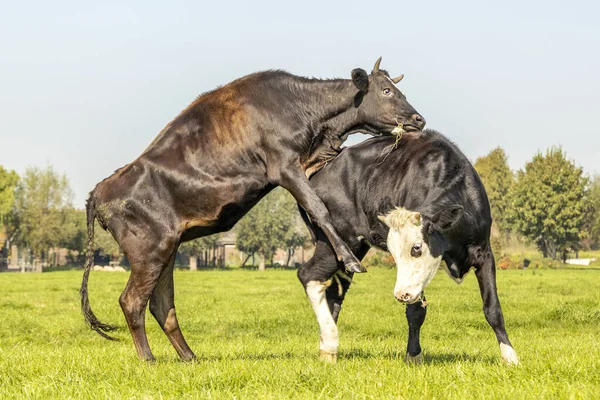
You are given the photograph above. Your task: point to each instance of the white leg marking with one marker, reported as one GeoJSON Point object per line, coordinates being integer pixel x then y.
{"type": "Point", "coordinates": [417, 360]}
{"type": "Point", "coordinates": [329, 332]}
{"type": "Point", "coordinates": [509, 354]}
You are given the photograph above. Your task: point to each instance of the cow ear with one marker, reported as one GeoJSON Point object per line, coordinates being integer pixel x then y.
{"type": "Point", "coordinates": [360, 78]}
{"type": "Point", "coordinates": [446, 218]}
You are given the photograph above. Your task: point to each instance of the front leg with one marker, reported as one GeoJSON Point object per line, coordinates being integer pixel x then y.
{"type": "Point", "coordinates": [341, 284]}
{"type": "Point", "coordinates": [415, 315]}
{"type": "Point", "coordinates": [293, 179]}
{"type": "Point", "coordinates": [315, 275]}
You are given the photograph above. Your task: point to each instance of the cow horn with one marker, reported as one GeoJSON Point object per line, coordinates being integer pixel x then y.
{"type": "Point", "coordinates": [376, 67]}
{"type": "Point", "coordinates": [398, 79]}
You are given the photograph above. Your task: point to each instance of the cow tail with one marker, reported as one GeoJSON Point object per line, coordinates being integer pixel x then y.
{"type": "Point", "coordinates": [89, 315]}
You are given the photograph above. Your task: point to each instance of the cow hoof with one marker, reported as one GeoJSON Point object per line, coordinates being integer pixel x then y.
{"type": "Point", "coordinates": [509, 355]}
{"type": "Point", "coordinates": [355, 267]}
{"type": "Point", "coordinates": [416, 360]}
{"type": "Point", "coordinates": [328, 357]}
{"type": "Point", "coordinates": [189, 358]}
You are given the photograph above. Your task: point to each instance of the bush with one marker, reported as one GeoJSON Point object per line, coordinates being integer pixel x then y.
{"type": "Point", "coordinates": [518, 262]}
{"type": "Point", "coordinates": [378, 258]}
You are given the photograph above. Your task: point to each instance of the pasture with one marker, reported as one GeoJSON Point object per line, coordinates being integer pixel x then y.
{"type": "Point", "coordinates": [256, 337]}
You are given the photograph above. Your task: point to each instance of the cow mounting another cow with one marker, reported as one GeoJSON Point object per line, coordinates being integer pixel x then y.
{"type": "Point", "coordinates": [212, 163]}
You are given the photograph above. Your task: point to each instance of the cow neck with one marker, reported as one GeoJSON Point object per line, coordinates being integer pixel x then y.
{"type": "Point", "coordinates": [326, 104]}
{"type": "Point", "coordinates": [327, 110]}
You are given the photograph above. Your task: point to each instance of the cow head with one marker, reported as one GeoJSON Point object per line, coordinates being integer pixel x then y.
{"type": "Point", "coordinates": [416, 242]}
{"type": "Point", "coordinates": [382, 107]}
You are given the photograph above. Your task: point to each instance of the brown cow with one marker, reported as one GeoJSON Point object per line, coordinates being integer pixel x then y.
{"type": "Point", "coordinates": [215, 161]}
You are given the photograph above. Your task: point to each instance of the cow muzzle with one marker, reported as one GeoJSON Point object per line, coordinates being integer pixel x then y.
{"type": "Point", "coordinates": [408, 298]}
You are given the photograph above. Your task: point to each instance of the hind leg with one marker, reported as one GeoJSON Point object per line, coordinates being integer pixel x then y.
{"type": "Point", "coordinates": [486, 277]}
{"type": "Point", "coordinates": [162, 307]}
{"type": "Point", "coordinates": [148, 260]}
{"type": "Point", "coordinates": [340, 285]}
{"type": "Point", "coordinates": [134, 300]}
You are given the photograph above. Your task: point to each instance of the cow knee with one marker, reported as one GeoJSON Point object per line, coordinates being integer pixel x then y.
{"type": "Point", "coordinates": [126, 304]}
{"type": "Point", "coordinates": [133, 311]}
{"type": "Point", "coordinates": [320, 270]}
{"type": "Point", "coordinates": [303, 273]}
{"type": "Point", "coordinates": [493, 316]}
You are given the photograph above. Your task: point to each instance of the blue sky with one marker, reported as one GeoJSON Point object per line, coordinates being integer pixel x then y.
{"type": "Point", "coordinates": [86, 87]}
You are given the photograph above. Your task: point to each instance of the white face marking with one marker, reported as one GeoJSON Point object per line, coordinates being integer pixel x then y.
{"type": "Point", "coordinates": [329, 333]}
{"type": "Point", "coordinates": [509, 354]}
{"type": "Point", "coordinates": [414, 269]}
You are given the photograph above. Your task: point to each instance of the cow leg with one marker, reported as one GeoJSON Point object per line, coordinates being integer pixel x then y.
{"type": "Point", "coordinates": [315, 276]}
{"type": "Point", "coordinates": [162, 307]}
{"type": "Point", "coordinates": [486, 277]}
{"type": "Point", "coordinates": [148, 259]}
{"type": "Point", "coordinates": [415, 315]}
{"type": "Point", "coordinates": [335, 294]}
{"type": "Point", "coordinates": [134, 300]}
{"type": "Point", "coordinates": [294, 180]}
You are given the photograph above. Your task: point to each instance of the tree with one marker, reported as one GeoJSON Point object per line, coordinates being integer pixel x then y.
{"type": "Point", "coordinates": [498, 180]}
{"type": "Point", "coordinates": [202, 247]}
{"type": "Point", "coordinates": [73, 234]}
{"type": "Point", "coordinates": [295, 234]}
{"type": "Point", "coordinates": [43, 198]}
{"type": "Point", "coordinates": [260, 230]}
{"type": "Point", "coordinates": [548, 204]}
{"type": "Point", "coordinates": [296, 238]}
{"type": "Point", "coordinates": [104, 241]}
{"type": "Point", "coordinates": [591, 227]}
{"type": "Point", "coordinates": [247, 240]}
{"type": "Point", "coordinates": [8, 183]}
{"type": "Point", "coordinates": [272, 224]}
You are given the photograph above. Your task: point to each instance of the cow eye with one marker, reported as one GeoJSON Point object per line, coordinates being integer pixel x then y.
{"type": "Point", "coordinates": [416, 250]}
{"type": "Point", "coordinates": [387, 91]}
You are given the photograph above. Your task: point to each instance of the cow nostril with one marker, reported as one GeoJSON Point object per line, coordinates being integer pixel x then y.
{"type": "Point", "coordinates": [418, 120]}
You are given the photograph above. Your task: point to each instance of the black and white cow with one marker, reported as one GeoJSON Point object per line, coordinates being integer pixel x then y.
{"type": "Point", "coordinates": [424, 203]}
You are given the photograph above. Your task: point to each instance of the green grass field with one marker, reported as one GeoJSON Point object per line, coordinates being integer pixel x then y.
{"type": "Point", "coordinates": [256, 337]}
